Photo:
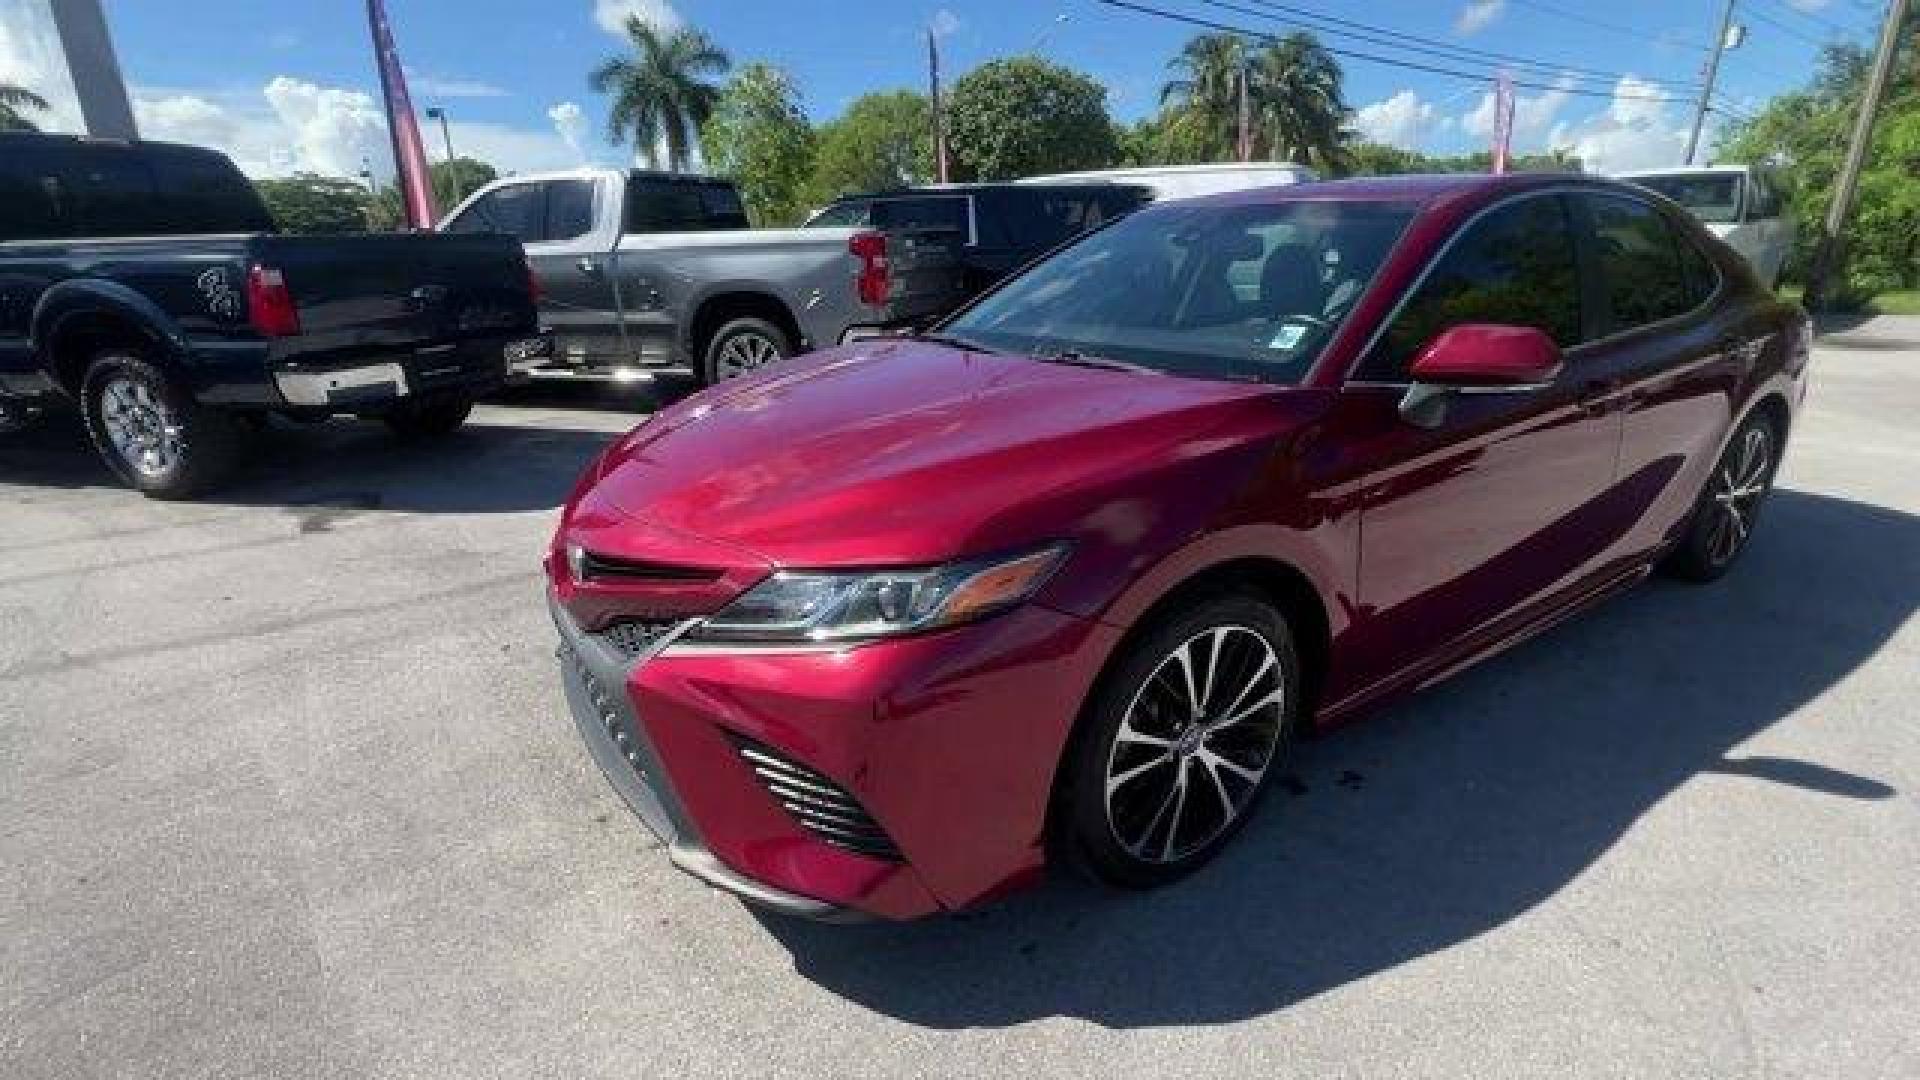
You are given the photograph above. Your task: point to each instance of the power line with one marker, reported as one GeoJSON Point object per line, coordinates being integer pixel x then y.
{"type": "Point", "coordinates": [1838, 28]}
{"type": "Point", "coordinates": [1388, 61]}
{"type": "Point", "coordinates": [1428, 46]}
{"type": "Point", "coordinates": [1780, 25]}
{"type": "Point", "coordinates": [1614, 28]}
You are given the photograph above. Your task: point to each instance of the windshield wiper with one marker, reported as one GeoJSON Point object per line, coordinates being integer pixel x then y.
{"type": "Point", "coordinates": [1093, 360]}
{"type": "Point", "coordinates": [951, 342]}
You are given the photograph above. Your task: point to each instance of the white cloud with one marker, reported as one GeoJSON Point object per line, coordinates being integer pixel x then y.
{"type": "Point", "coordinates": [1476, 16]}
{"type": "Point", "coordinates": [1638, 129]}
{"type": "Point", "coordinates": [1533, 116]}
{"type": "Point", "coordinates": [331, 127]}
{"type": "Point", "coordinates": [612, 15]}
{"type": "Point", "coordinates": [570, 123]}
{"type": "Point", "coordinates": [425, 85]}
{"type": "Point", "coordinates": [1809, 5]}
{"type": "Point", "coordinates": [30, 55]}
{"type": "Point", "coordinates": [1402, 120]}
{"type": "Point", "coordinates": [944, 23]}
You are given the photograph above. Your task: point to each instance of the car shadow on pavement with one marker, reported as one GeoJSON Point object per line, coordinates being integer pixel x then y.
{"type": "Point", "coordinates": [1441, 818]}
{"type": "Point", "coordinates": [346, 467]}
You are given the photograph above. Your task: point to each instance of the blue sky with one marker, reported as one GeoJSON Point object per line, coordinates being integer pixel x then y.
{"type": "Point", "coordinates": [282, 86]}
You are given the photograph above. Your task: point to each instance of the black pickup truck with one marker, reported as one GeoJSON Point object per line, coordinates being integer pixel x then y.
{"type": "Point", "coordinates": [145, 283]}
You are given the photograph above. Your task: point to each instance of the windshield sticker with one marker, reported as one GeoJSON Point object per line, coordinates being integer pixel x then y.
{"type": "Point", "coordinates": [1287, 338]}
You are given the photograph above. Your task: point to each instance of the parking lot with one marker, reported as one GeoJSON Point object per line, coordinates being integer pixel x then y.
{"type": "Point", "coordinates": [287, 788]}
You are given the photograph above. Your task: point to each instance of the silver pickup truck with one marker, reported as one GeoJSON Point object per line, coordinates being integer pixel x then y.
{"type": "Point", "coordinates": [642, 270]}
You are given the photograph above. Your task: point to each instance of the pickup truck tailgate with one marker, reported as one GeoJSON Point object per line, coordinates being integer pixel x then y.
{"type": "Point", "coordinates": [926, 272]}
{"type": "Point", "coordinates": [434, 301]}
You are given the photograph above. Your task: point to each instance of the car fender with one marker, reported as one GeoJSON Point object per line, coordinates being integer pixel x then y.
{"type": "Point", "coordinates": [75, 300]}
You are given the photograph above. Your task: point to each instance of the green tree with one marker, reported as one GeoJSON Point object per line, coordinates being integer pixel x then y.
{"type": "Point", "coordinates": [881, 141]}
{"type": "Point", "coordinates": [1379, 159]}
{"type": "Point", "coordinates": [1204, 93]}
{"type": "Point", "coordinates": [15, 100]}
{"type": "Point", "coordinates": [1299, 111]}
{"type": "Point", "coordinates": [462, 176]}
{"type": "Point", "coordinates": [311, 203]}
{"type": "Point", "coordinates": [759, 135]}
{"type": "Point", "coordinates": [1805, 134]}
{"type": "Point", "coordinates": [1021, 116]}
{"type": "Point", "coordinates": [659, 93]}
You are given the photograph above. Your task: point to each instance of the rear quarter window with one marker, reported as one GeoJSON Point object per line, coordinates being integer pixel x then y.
{"type": "Point", "coordinates": [1638, 255]}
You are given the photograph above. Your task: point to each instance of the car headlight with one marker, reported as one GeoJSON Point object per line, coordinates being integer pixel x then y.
{"type": "Point", "coordinates": [868, 604]}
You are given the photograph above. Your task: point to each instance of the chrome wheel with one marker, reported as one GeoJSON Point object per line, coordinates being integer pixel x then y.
{"type": "Point", "coordinates": [745, 351]}
{"type": "Point", "coordinates": [1197, 737]}
{"type": "Point", "coordinates": [144, 430]}
{"type": "Point", "coordinates": [1738, 488]}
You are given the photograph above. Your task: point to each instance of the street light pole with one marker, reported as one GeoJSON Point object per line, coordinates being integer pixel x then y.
{"type": "Point", "coordinates": [1827, 251]}
{"type": "Point", "coordinates": [446, 137]}
{"type": "Point", "coordinates": [1706, 86]}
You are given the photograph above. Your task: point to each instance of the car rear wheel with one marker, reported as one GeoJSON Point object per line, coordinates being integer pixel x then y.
{"type": "Point", "coordinates": [741, 346]}
{"type": "Point", "coordinates": [152, 432]}
{"type": "Point", "coordinates": [1182, 740]}
{"type": "Point", "coordinates": [1729, 508]}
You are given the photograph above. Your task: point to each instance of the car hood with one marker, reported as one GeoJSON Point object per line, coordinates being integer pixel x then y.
{"type": "Point", "coordinates": [910, 452]}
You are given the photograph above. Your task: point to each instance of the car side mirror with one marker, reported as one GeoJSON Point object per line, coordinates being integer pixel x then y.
{"type": "Point", "coordinates": [1478, 358]}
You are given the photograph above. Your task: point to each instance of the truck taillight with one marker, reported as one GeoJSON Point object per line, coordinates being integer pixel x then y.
{"type": "Point", "coordinates": [874, 281]}
{"type": "Point", "coordinates": [533, 281]}
{"type": "Point", "coordinates": [270, 307]}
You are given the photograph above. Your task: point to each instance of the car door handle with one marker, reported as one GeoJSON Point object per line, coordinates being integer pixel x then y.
{"type": "Point", "coordinates": [588, 265]}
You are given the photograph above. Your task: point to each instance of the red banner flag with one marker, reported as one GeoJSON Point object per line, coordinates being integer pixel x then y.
{"type": "Point", "coordinates": [409, 159]}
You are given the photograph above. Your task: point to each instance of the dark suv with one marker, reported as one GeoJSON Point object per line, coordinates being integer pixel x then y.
{"type": "Point", "coordinates": [1006, 226]}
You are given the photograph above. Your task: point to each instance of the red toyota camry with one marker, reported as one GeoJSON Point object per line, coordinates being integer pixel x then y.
{"type": "Point", "coordinates": [883, 629]}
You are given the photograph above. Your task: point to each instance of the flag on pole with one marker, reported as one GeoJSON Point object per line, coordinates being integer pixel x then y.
{"type": "Point", "coordinates": [1502, 122]}
{"type": "Point", "coordinates": [409, 158]}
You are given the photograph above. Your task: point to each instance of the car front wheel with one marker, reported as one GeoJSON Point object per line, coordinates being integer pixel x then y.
{"type": "Point", "coordinates": [1182, 740]}
{"type": "Point", "coordinates": [1729, 508]}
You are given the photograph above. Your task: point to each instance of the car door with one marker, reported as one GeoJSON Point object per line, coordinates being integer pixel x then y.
{"type": "Point", "coordinates": [1667, 349]}
{"type": "Point", "coordinates": [1468, 525]}
{"type": "Point", "coordinates": [579, 273]}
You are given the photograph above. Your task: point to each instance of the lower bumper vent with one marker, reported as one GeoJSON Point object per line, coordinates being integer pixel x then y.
{"type": "Point", "coordinates": [636, 639]}
{"type": "Point", "coordinates": [817, 804]}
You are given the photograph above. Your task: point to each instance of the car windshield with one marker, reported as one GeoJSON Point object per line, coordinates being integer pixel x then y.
{"type": "Point", "coordinates": [1709, 196]}
{"type": "Point", "coordinates": [1250, 292]}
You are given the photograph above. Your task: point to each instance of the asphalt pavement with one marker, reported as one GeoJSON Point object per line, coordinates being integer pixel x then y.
{"type": "Point", "coordinates": [287, 789]}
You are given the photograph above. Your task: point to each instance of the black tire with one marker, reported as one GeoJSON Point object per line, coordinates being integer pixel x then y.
{"type": "Point", "coordinates": [1106, 835]}
{"type": "Point", "coordinates": [740, 346]}
{"type": "Point", "coordinates": [1729, 506]}
{"type": "Point", "coordinates": [429, 418]}
{"type": "Point", "coordinates": [150, 430]}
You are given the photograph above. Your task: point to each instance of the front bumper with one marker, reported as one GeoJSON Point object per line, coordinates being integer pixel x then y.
{"type": "Point", "coordinates": [950, 741]}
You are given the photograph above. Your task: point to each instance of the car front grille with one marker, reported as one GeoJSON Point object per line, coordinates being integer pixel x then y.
{"type": "Point", "coordinates": [817, 804]}
{"type": "Point", "coordinates": [635, 639]}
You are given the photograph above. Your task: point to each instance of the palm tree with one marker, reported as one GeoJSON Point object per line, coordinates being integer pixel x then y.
{"type": "Point", "coordinates": [659, 95]}
{"type": "Point", "coordinates": [13, 99]}
{"type": "Point", "coordinates": [1206, 87]}
{"type": "Point", "coordinates": [1298, 103]}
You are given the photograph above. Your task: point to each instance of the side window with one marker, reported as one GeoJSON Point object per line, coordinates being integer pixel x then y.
{"type": "Point", "coordinates": [569, 209]}
{"type": "Point", "coordinates": [477, 218]}
{"type": "Point", "coordinates": [30, 204]}
{"type": "Point", "coordinates": [844, 215]}
{"type": "Point", "coordinates": [1703, 277]}
{"type": "Point", "coordinates": [1515, 266]}
{"type": "Point", "coordinates": [114, 197]}
{"type": "Point", "coordinates": [1639, 262]}
{"type": "Point", "coordinates": [203, 194]}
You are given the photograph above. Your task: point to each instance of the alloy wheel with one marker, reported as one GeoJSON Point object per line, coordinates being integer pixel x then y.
{"type": "Point", "coordinates": [1738, 487]}
{"type": "Point", "coordinates": [144, 430]}
{"type": "Point", "coordinates": [745, 351]}
{"type": "Point", "coordinates": [1197, 737]}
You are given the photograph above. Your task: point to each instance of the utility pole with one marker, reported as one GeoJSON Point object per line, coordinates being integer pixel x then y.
{"type": "Point", "coordinates": [1706, 85]}
{"type": "Point", "coordinates": [939, 115]}
{"type": "Point", "coordinates": [1832, 239]}
{"type": "Point", "coordinates": [1244, 144]}
{"type": "Point", "coordinates": [96, 73]}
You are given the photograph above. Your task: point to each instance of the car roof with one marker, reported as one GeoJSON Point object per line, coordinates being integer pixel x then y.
{"type": "Point", "coordinates": [1020, 188]}
{"type": "Point", "coordinates": [1415, 187]}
